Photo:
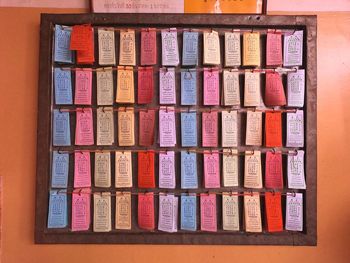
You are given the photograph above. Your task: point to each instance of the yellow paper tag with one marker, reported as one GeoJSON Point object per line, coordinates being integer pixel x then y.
{"type": "Point", "coordinates": [252, 170]}
{"type": "Point", "coordinates": [125, 85]}
{"type": "Point", "coordinates": [230, 167]}
{"type": "Point", "coordinates": [251, 49]}
{"type": "Point", "coordinates": [126, 126]}
{"type": "Point", "coordinates": [254, 128]}
{"type": "Point", "coordinates": [251, 89]}
{"type": "Point", "coordinates": [123, 169]}
{"type": "Point", "coordinates": [102, 169]}
{"type": "Point", "coordinates": [211, 46]}
{"type": "Point", "coordinates": [106, 47]}
{"type": "Point", "coordinates": [252, 213]}
{"type": "Point", "coordinates": [105, 126]}
{"type": "Point", "coordinates": [127, 48]}
{"type": "Point", "coordinates": [104, 77]}
{"type": "Point", "coordinates": [102, 212]}
{"type": "Point", "coordinates": [123, 210]}
{"type": "Point", "coordinates": [230, 212]}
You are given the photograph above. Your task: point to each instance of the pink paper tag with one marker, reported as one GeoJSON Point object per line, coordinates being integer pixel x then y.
{"type": "Point", "coordinates": [210, 129]}
{"type": "Point", "coordinates": [211, 95]}
{"type": "Point", "coordinates": [83, 87]}
{"type": "Point", "coordinates": [82, 169]}
{"type": "Point", "coordinates": [84, 130]}
{"type": "Point", "coordinates": [208, 212]}
{"type": "Point", "coordinates": [167, 132]}
{"type": "Point", "coordinates": [211, 169]}
{"type": "Point", "coordinates": [81, 209]}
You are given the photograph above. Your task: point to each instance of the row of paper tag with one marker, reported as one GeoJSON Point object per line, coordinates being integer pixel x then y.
{"type": "Point", "coordinates": [169, 208]}
{"type": "Point", "coordinates": [274, 94]}
{"type": "Point", "coordinates": [210, 135]}
{"type": "Point", "coordinates": [213, 169]}
{"type": "Point", "coordinates": [81, 39]}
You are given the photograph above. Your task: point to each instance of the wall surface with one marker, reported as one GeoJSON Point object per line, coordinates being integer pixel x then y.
{"type": "Point", "coordinates": [19, 45]}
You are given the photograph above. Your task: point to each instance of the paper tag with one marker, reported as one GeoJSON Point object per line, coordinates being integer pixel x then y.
{"type": "Point", "coordinates": [295, 171]}
{"type": "Point", "coordinates": [230, 167]}
{"type": "Point", "coordinates": [254, 128]}
{"type": "Point", "coordinates": [57, 217]}
{"type": "Point", "coordinates": [208, 212]}
{"type": "Point", "coordinates": [167, 170]}
{"type": "Point", "coordinates": [123, 210]}
{"type": "Point", "coordinates": [294, 212]}
{"type": "Point", "coordinates": [84, 129]}
{"type": "Point", "coordinates": [170, 49]}
{"type": "Point", "coordinates": [62, 43]}
{"type": "Point", "coordinates": [104, 86]}
{"type": "Point", "coordinates": [273, 170]}
{"type": "Point", "coordinates": [106, 46]}
{"type": "Point", "coordinates": [81, 209]}
{"type": "Point", "coordinates": [61, 128]}
{"type": "Point", "coordinates": [188, 212]}
{"type": "Point", "coordinates": [293, 49]}
{"type": "Point", "coordinates": [273, 212]}
{"type": "Point", "coordinates": [251, 49]}
{"type": "Point", "coordinates": [148, 46]}
{"type": "Point", "coordinates": [231, 88]}
{"type": "Point", "coordinates": [125, 85]}
{"type": "Point", "coordinates": [189, 87]}
{"type": "Point", "coordinates": [296, 88]}
{"type": "Point", "coordinates": [167, 87]}
{"type": "Point", "coordinates": [252, 213]}
{"type": "Point", "coordinates": [83, 86]}
{"type": "Point", "coordinates": [252, 170]}
{"type": "Point", "coordinates": [230, 212]}
{"type": "Point", "coordinates": [189, 177]}
{"type": "Point", "coordinates": [167, 130]}
{"type": "Point", "coordinates": [123, 169]}
{"type": "Point", "coordinates": [190, 48]}
{"type": "Point", "coordinates": [126, 126]}
{"type": "Point", "coordinates": [189, 129]}
{"type": "Point", "coordinates": [60, 168]}
{"type": "Point", "coordinates": [252, 94]}
{"type": "Point", "coordinates": [273, 129]}
{"type": "Point", "coordinates": [229, 128]}
{"type": "Point", "coordinates": [105, 126]}
{"type": "Point", "coordinates": [211, 47]}
{"type": "Point", "coordinates": [210, 129]}
{"type": "Point", "coordinates": [127, 54]}
{"type": "Point", "coordinates": [168, 206]}
{"type": "Point", "coordinates": [102, 169]}
{"type": "Point", "coordinates": [232, 49]}
{"type": "Point", "coordinates": [63, 87]}
{"type": "Point", "coordinates": [273, 48]}
{"type": "Point", "coordinates": [102, 212]}
{"type": "Point", "coordinates": [146, 127]}
{"type": "Point", "coordinates": [211, 164]}
{"type": "Point", "coordinates": [82, 169]}
{"type": "Point", "coordinates": [274, 91]}
{"type": "Point", "coordinates": [80, 37]}
{"type": "Point", "coordinates": [87, 56]}
{"type": "Point", "coordinates": [295, 129]}
{"type": "Point", "coordinates": [145, 217]}
{"type": "Point", "coordinates": [145, 85]}
{"type": "Point", "coordinates": [145, 169]}
{"type": "Point", "coordinates": [211, 89]}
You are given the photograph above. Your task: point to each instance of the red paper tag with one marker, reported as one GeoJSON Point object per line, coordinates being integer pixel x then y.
{"type": "Point", "coordinates": [148, 46]}
{"type": "Point", "coordinates": [273, 129]}
{"type": "Point", "coordinates": [87, 56]}
{"type": "Point", "coordinates": [274, 91]}
{"type": "Point", "coordinates": [273, 212]}
{"type": "Point", "coordinates": [145, 217]}
{"type": "Point", "coordinates": [145, 85]}
{"type": "Point", "coordinates": [146, 170]}
{"type": "Point", "coordinates": [273, 170]}
{"type": "Point", "coordinates": [80, 37]}
{"type": "Point", "coordinates": [274, 48]}
{"type": "Point", "coordinates": [146, 127]}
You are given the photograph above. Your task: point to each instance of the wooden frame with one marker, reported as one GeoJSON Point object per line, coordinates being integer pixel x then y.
{"type": "Point", "coordinates": [307, 23]}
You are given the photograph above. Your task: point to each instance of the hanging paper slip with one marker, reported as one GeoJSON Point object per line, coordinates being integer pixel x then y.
{"type": "Point", "coordinates": [189, 87]}
{"type": "Point", "coordinates": [252, 212]}
{"type": "Point", "coordinates": [167, 87]}
{"type": "Point", "coordinates": [87, 55]}
{"type": "Point", "coordinates": [273, 170]}
{"type": "Point", "coordinates": [231, 88]}
{"type": "Point", "coordinates": [274, 91]}
{"type": "Point", "coordinates": [251, 49]}
{"type": "Point", "coordinates": [125, 85]}
{"type": "Point", "coordinates": [145, 85]}
{"type": "Point", "coordinates": [82, 169]}
{"type": "Point", "coordinates": [273, 212]}
{"type": "Point", "coordinates": [167, 130]}
{"type": "Point", "coordinates": [126, 126]}
{"type": "Point", "coordinates": [168, 212]}
{"type": "Point", "coordinates": [146, 127]}
{"type": "Point", "coordinates": [296, 88]}
{"type": "Point", "coordinates": [189, 177]}
{"type": "Point", "coordinates": [127, 53]}
{"type": "Point", "coordinates": [211, 164]}
{"type": "Point", "coordinates": [123, 210]}
{"type": "Point", "coordinates": [230, 167]}
{"type": "Point", "coordinates": [211, 89]}
{"type": "Point", "coordinates": [208, 212]}
{"type": "Point", "coordinates": [295, 129]}
{"type": "Point", "coordinates": [210, 129]}
{"type": "Point", "coordinates": [252, 170]}
{"type": "Point", "coordinates": [190, 48]}
{"type": "Point", "coordinates": [61, 128]}
{"type": "Point", "coordinates": [145, 215]}
{"type": "Point", "coordinates": [83, 87]}
{"type": "Point", "coordinates": [211, 47]}
{"type": "Point", "coordinates": [148, 46]}
{"type": "Point", "coordinates": [254, 128]}
{"type": "Point", "coordinates": [293, 49]}
{"type": "Point", "coordinates": [105, 126]}
{"type": "Point", "coordinates": [102, 169]}
{"type": "Point", "coordinates": [229, 128]}
{"type": "Point", "coordinates": [232, 49]}
{"type": "Point", "coordinates": [81, 209]}
{"type": "Point", "coordinates": [273, 47]}
{"type": "Point", "coordinates": [80, 37]}
{"type": "Point", "coordinates": [170, 49]}
{"type": "Point", "coordinates": [123, 169]}
{"type": "Point", "coordinates": [230, 212]}
{"type": "Point", "coordinates": [104, 81]}
{"type": "Point", "coordinates": [294, 212]}
{"type": "Point", "coordinates": [102, 212]}
{"type": "Point", "coordinates": [252, 94]}
{"type": "Point", "coordinates": [57, 217]}
{"type": "Point", "coordinates": [63, 86]}
{"type": "Point", "coordinates": [106, 46]}
{"type": "Point", "coordinates": [62, 44]}
{"type": "Point", "coordinates": [295, 170]}
{"type": "Point", "coordinates": [188, 212]}
{"type": "Point", "coordinates": [145, 169]}
{"type": "Point", "coordinates": [273, 129]}
{"type": "Point", "coordinates": [60, 168]}
{"type": "Point", "coordinates": [167, 170]}
{"type": "Point", "coordinates": [84, 129]}
{"type": "Point", "coordinates": [189, 129]}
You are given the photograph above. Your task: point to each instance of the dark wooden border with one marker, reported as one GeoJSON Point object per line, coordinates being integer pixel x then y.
{"type": "Point", "coordinates": [308, 237]}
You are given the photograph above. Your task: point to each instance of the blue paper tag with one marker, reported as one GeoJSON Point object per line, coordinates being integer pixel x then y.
{"type": "Point", "coordinates": [60, 166]}
{"type": "Point", "coordinates": [61, 128]}
{"type": "Point", "coordinates": [189, 129]}
{"type": "Point", "coordinates": [189, 179]}
{"type": "Point", "coordinates": [63, 86]}
{"type": "Point", "coordinates": [62, 43]}
{"type": "Point", "coordinates": [188, 212]}
{"type": "Point", "coordinates": [190, 49]}
{"type": "Point", "coordinates": [189, 87]}
{"type": "Point", "coordinates": [57, 217]}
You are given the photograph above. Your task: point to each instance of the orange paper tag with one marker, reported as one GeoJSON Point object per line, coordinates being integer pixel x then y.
{"type": "Point", "coordinates": [87, 56]}
{"type": "Point", "coordinates": [80, 37]}
{"type": "Point", "coordinates": [273, 212]}
{"type": "Point", "coordinates": [273, 129]}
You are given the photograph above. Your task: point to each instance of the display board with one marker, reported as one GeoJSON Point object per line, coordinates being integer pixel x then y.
{"type": "Point", "coordinates": [177, 129]}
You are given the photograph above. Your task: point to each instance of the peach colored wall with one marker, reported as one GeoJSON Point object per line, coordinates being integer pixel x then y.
{"type": "Point", "coordinates": [18, 99]}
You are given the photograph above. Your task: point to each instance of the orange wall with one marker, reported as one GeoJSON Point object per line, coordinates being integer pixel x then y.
{"type": "Point", "coordinates": [18, 99]}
